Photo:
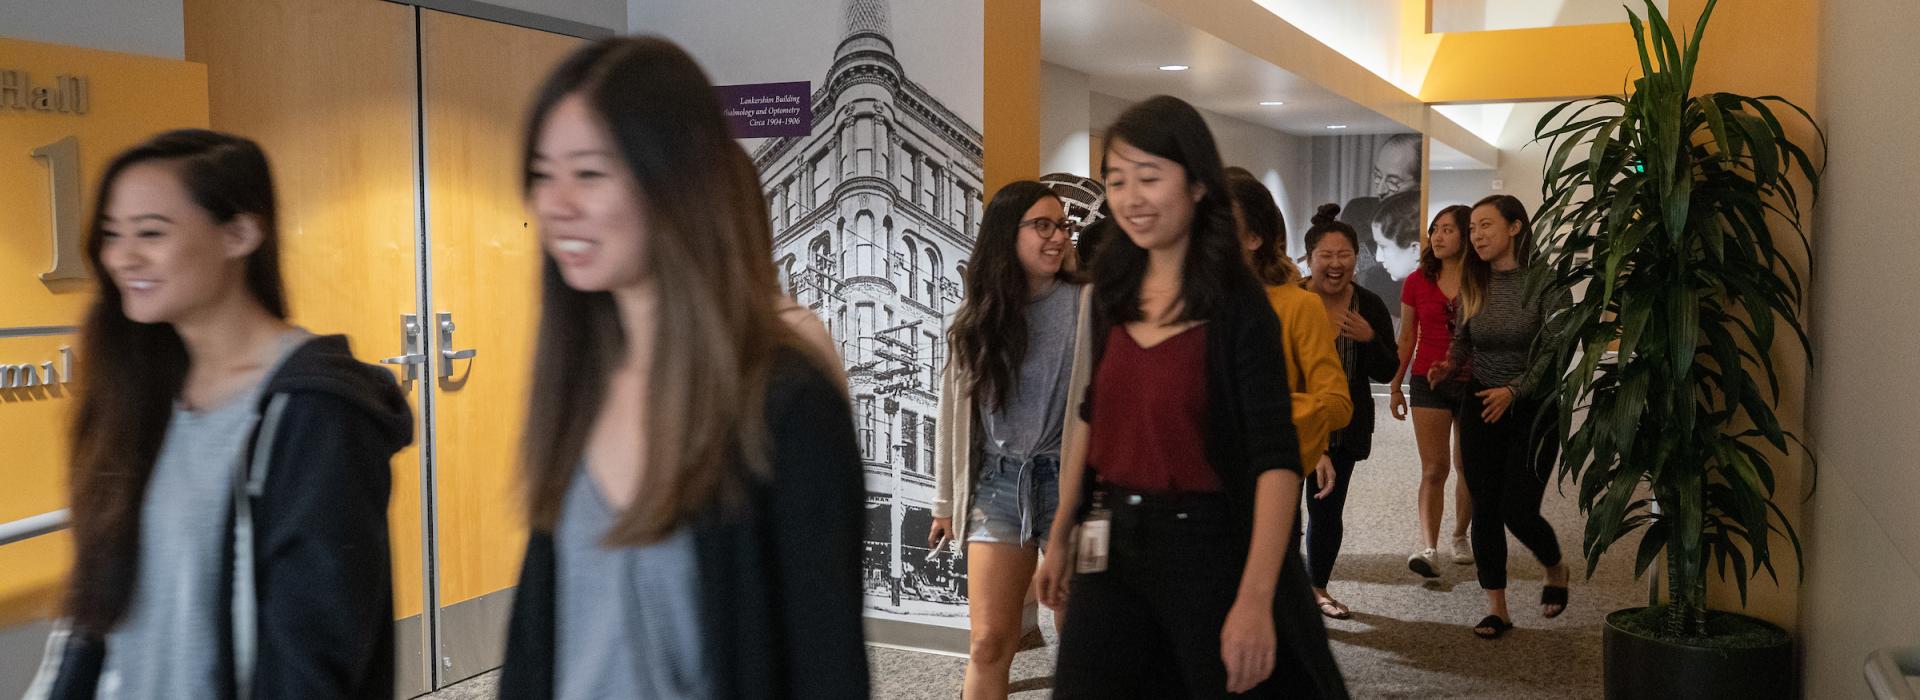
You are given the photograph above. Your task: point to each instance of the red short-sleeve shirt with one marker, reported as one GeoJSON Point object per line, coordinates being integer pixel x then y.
{"type": "Point", "coordinates": [1433, 319]}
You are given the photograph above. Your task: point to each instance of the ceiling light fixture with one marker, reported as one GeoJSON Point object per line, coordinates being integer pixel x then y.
{"type": "Point", "coordinates": [1336, 126]}
{"type": "Point", "coordinates": [1272, 103]}
{"type": "Point", "coordinates": [1174, 67]}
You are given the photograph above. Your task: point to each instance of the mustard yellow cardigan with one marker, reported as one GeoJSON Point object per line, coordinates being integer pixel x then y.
{"type": "Point", "coordinates": [1320, 401]}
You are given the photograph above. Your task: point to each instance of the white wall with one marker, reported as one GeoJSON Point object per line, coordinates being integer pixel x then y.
{"type": "Point", "coordinates": [1065, 124]}
{"type": "Point", "coordinates": [1862, 589]}
{"type": "Point", "coordinates": [1281, 161]}
{"type": "Point", "coordinates": [606, 14]}
{"type": "Point", "coordinates": [1477, 15]}
{"type": "Point", "coordinates": [1449, 187]}
{"type": "Point", "coordinates": [1367, 32]}
{"type": "Point", "coordinates": [151, 27]}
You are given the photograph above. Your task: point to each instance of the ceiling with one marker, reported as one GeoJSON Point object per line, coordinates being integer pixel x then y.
{"type": "Point", "coordinates": [1121, 45]}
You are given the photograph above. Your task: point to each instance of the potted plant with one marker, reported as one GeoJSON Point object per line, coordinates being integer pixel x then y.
{"type": "Point", "coordinates": [1660, 216]}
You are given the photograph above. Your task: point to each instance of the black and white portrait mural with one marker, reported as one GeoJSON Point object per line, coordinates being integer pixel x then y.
{"type": "Point", "coordinates": [874, 188]}
{"type": "Point", "coordinates": [1375, 178]}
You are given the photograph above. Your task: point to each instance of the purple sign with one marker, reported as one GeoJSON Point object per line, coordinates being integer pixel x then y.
{"type": "Point", "coordinates": [766, 110]}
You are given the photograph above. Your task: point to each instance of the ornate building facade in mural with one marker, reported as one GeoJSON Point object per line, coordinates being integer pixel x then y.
{"type": "Point", "coordinates": [874, 216]}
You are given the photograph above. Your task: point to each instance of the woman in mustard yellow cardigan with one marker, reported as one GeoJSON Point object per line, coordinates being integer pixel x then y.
{"type": "Point", "coordinates": [1321, 403]}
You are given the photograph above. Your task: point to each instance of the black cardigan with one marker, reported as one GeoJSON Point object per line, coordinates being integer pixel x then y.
{"type": "Point", "coordinates": [324, 594]}
{"type": "Point", "coordinates": [1378, 361]}
{"type": "Point", "coordinates": [779, 582]}
{"type": "Point", "coordinates": [1249, 432]}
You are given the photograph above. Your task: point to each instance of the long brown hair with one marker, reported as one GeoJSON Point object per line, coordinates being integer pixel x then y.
{"type": "Point", "coordinates": [130, 372]}
{"type": "Point", "coordinates": [1477, 273]}
{"type": "Point", "coordinates": [989, 334]}
{"type": "Point", "coordinates": [1255, 204]}
{"type": "Point", "coordinates": [707, 247]}
{"type": "Point", "coordinates": [1431, 264]}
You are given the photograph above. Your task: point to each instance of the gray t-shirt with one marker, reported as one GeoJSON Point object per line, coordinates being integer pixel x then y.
{"type": "Point", "coordinates": [168, 645]}
{"type": "Point", "coordinates": [1028, 423]}
{"type": "Point", "coordinates": [627, 622]}
{"type": "Point", "coordinates": [1498, 342]}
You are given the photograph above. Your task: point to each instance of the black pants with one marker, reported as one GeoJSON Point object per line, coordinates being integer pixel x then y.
{"type": "Point", "coordinates": [1149, 626]}
{"type": "Point", "coordinates": [1507, 473]}
{"type": "Point", "coordinates": [1326, 526]}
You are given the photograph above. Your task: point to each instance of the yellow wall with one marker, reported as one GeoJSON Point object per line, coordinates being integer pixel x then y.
{"type": "Point", "coordinates": [1011, 135]}
{"type": "Point", "coordinates": [1770, 47]}
{"type": "Point", "coordinates": [130, 97]}
{"type": "Point", "coordinates": [1551, 63]}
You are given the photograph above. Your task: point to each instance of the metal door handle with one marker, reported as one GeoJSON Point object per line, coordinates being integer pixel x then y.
{"type": "Point", "coordinates": [410, 346]}
{"type": "Point", "coordinates": [446, 339]}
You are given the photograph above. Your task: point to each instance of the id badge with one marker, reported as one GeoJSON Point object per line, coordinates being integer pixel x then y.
{"type": "Point", "coordinates": [1090, 551]}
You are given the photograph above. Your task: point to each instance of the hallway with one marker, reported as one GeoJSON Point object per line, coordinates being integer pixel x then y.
{"type": "Point", "coordinates": [1409, 637]}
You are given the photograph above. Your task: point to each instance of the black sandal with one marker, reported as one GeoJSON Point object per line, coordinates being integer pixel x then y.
{"type": "Point", "coordinates": [1492, 622]}
{"type": "Point", "coordinates": [1553, 595]}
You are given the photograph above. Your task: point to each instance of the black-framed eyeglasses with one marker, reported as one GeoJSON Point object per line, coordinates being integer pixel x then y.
{"type": "Point", "coordinates": [1046, 227]}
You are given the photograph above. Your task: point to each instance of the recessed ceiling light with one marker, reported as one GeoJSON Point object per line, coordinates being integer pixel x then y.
{"type": "Point", "coordinates": [1173, 66]}
{"type": "Point", "coordinates": [1271, 103]}
{"type": "Point", "coordinates": [1336, 126]}
{"type": "Point", "coordinates": [1446, 167]}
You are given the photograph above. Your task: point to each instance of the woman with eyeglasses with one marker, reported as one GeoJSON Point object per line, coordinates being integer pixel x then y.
{"type": "Point", "coordinates": [1364, 339]}
{"type": "Point", "coordinates": [1003, 408]}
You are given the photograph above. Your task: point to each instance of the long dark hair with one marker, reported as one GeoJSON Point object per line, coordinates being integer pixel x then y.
{"type": "Point", "coordinates": [1477, 273]}
{"type": "Point", "coordinates": [1430, 263]}
{"type": "Point", "coordinates": [707, 245]}
{"type": "Point", "coordinates": [1172, 129]}
{"type": "Point", "coordinates": [1263, 219]}
{"type": "Point", "coordinates": [131, 372]}
{"type": "Point", "coordinates": [989, 334]}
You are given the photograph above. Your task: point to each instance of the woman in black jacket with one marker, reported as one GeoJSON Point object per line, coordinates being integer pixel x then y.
{"type": "Point", "coordinates": [229, 471]}
{"type": "Point", "coordinates": [1182, 469]}
{"type": "Point", "coordinates": [693, 482]}
{"type": "Point", "coordinates": [1369, 354]}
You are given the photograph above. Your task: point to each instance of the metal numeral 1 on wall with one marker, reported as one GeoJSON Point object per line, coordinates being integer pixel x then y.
{"type": "Point", "coordinates": [63, 166]}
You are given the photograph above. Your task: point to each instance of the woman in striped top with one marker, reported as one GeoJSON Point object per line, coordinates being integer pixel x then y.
{"type": "Point", "coordinates": [1505, 461]}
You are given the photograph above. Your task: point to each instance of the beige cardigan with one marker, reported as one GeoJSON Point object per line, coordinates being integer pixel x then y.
{"type": "Point", "coordinates": [955, 465]}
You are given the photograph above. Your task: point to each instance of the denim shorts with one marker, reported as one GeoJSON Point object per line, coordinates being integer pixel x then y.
{"type": "Point", "coordinates": [1014, 500]}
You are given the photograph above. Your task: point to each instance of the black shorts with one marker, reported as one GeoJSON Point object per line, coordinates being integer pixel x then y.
{"type": "Point", "coordinates": [1420, 394]}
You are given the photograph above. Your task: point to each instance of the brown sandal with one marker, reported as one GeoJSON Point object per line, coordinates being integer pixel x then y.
{"type": "Point", "coordinates": [1334, 609]}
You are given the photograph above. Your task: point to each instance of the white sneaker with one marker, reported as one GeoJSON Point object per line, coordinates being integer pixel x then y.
{"type": "Point", "coordinates": [1462, 551]}
{"type": "Point", "coordinates": [1423, 563]}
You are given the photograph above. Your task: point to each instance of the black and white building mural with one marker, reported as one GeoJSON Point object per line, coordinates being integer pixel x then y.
{"type": "Point", "coordinates": [873, 209]}
{"type": "Point", "coordinates": [873, 216]}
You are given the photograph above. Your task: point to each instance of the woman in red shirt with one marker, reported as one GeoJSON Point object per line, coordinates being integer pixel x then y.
{"type": "Point", "coordinates": [1426, 333]}
{"type": "Point", "coordinates": [1184, 583]}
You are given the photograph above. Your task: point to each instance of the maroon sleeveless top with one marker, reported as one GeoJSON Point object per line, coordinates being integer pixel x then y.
{"type": "Point", "coordinates": [1149, 416]}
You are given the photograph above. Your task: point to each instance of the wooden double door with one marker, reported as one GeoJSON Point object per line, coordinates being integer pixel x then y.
{"type": "Point", "coordinates": [395, 135]}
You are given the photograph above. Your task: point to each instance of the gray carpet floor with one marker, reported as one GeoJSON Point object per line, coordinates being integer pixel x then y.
{"type": "Point", "coordinates": [1409, 637]}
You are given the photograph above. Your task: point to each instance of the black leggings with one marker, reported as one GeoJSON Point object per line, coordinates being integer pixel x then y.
{"type": "Point", "coordinates": [1325, 521]}
{"type": "Point", "coordinates": [1507, 474]}
{"type": "Point", "coordinates": [1149, 626]}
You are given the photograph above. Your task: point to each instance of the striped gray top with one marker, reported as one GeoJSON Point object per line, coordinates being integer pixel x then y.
{"type": "Point", "coordinates": [1497, 342]}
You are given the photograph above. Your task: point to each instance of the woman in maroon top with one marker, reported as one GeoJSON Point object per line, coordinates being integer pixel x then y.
{"type": "Point", "coordinates": [1184, 454]}
{"type": "Point", "coordinates": [1426, 332]}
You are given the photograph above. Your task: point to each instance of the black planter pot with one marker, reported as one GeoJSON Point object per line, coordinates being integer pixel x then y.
{"type": "Point", "coordinates": [1643, 668]}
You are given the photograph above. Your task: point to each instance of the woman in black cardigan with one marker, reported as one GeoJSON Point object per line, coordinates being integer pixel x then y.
{"type": "Point", "coordinates": [1368, 353]}
{"type": "Point", "coordinates": [1184, 452]}
{"type": "Point", "coordinates": [693, 484]}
